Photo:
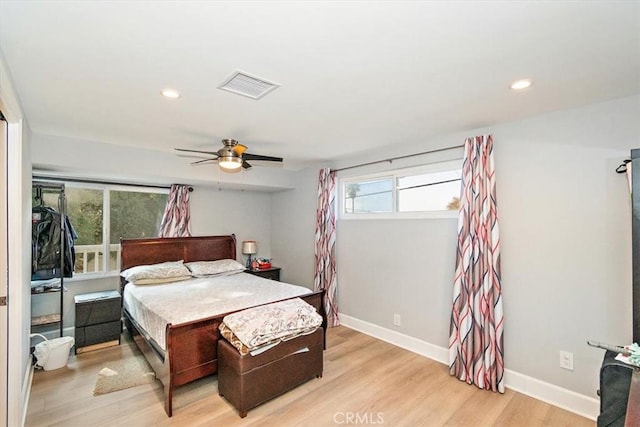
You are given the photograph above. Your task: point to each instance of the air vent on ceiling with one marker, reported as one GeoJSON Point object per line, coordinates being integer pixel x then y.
{"type": "Point", "coordinates": [247, 85]}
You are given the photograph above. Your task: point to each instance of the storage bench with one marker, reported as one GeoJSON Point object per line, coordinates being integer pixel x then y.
{"type": "Point", "coordinates": [247, 381]}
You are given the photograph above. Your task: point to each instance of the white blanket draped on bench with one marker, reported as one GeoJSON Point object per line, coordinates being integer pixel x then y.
{"type": "Point", "coordinates": [257, 329]}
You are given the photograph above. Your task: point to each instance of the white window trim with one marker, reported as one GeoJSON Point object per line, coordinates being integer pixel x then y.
{"type": "Point", "coordinates": [82, 277]}
{"type": "Point", "coordinates": [393, 175]}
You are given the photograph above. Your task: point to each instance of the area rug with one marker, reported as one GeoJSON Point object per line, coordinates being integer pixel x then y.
{"type": "Point", "coordinates": [122, 374]}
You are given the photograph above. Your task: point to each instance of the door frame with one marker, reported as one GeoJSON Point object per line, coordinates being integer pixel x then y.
{"type": "Point", "coordinates": [4, 270]}
{"type": "Point", "coordinates": [19, 370]}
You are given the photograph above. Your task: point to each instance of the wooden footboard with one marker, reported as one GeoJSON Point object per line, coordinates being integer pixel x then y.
{"type": "Point", "coordinates": [192, 349]}
{"type": "Point", "coordinates": [192, 354]}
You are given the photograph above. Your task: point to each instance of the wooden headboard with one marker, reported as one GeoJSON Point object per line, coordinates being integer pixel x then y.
{"type": "Point", "coordinates": [152, 251]}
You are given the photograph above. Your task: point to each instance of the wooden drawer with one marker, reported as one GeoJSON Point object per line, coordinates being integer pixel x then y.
{"type": "Point", "coordinates": [94, 334]}
{"type": "Point", "coordinates": [269, 273]}
{"type": "Point", "coordinates": [96, 308]}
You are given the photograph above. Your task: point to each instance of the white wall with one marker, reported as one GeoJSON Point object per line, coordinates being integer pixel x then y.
{"type": "Point", "coordinates": [247, 214]}
{"type": "Point", "coordinates": [293, 229]}
{"type": "Point", "coordinates": [566, 247]}
{"type": "Point", "coordinates": [566, 239]}
{"type": "Point", "coordinates": [379, 274]}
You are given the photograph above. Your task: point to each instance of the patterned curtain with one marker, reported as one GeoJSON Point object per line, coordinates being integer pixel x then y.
{"type": "Point", "coordinates": [325, 249]}
{"type": "Point", "coordinates": [476, 336]}
{"type": "Point", "coordinates": [176, 220]}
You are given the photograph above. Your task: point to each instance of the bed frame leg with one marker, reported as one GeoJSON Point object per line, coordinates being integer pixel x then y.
{"type": "Point", "coordinates": [168, 401]}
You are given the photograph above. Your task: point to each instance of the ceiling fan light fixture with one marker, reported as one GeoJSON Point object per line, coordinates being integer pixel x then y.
{"type": "Point", "coordinates": [521, 84]}
{"type": "Point", "coordinates": [171, 93]}
{"type": "Point", "coordinates": [230, 163]}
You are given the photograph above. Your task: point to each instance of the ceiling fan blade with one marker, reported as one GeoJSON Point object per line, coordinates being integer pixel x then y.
{"type": "Point", "coordinates": [248, 156]}
{"type": "Point", "coordinates": [203, 161]}
{"type": "Point", "coordinates": [213, 153]}
{"type": "Point", "coordinates": [239, 149]}
{"type": "Point", "coordinates": [245, 164]}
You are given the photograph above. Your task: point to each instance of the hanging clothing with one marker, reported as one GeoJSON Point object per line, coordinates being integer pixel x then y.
{"type": "Point", "coordinates": [46, 229]}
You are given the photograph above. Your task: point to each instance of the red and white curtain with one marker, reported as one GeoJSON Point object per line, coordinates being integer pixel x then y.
{"type": "Point", "coordinates": [176, 220]}
{"type": "Point", "coordinates": [325, 245]}
{"type": "Point", "coordinates": [476, 352]}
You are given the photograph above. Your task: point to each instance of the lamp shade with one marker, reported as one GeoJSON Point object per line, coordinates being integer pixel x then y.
{"type": "Point", "coordinates": [249, 247]}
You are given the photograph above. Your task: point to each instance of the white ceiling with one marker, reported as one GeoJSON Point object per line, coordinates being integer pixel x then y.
{"type": "Point", "coordinates": [356, 76]}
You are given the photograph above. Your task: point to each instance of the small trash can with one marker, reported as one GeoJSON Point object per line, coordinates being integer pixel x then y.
{"type": "Point", "coordinates": [52, 354]}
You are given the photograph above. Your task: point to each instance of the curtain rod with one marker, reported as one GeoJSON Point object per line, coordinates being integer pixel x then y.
{"type": "Point", "coordinates": [397, 158]}
{"type": "Point", "coordinates": [48, 185]}
{"type": "Point", "coordinates": [96, 181]}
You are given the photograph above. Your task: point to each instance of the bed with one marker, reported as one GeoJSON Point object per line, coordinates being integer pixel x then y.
{"type": "Point", "coordinates": [188, 349]}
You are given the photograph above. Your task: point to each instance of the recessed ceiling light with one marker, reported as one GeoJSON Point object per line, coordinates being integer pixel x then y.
{"type": "Point", "coordinates": [171, 93]}
{"type": "Point", "coordinates": [521, 84]}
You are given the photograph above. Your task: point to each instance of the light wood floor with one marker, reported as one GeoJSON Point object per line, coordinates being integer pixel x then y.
{"type": "Point", "coordinates": [366, 382]}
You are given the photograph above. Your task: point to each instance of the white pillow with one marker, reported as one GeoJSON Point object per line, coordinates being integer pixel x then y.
{"type": "Point", "coordinates": [159, 281]}
{"type": "Point", "coordinates": [214, 268]}
{"type": "Point", "coordinates": [157, 273]}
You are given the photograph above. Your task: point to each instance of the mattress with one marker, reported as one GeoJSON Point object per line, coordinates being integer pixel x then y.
{"type": "Point", "coordinates": [155, 306]}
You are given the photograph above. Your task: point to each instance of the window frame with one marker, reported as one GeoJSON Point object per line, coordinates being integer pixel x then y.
{"type": "Point", "coordinates": [106, 189]}
{"type": "Point", "coordinates": [394, 174]}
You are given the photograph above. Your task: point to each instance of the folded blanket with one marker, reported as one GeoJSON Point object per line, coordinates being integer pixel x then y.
{"type": "Point", "coordinates": [270, 324]}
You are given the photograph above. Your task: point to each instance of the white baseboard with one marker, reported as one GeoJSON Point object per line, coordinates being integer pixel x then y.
{"type": "Point", "coordinates": [574, 402]}
{"type": "Point", "coordinates": [412, 344]}
{"type": "Point", "coordinates": [580, 404]}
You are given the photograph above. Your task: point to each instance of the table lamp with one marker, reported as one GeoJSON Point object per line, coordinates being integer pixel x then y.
{"type": "Point", "coordinates": [249, 247]}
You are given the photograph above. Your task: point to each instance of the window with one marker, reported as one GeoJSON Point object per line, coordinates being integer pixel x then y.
{"type": "Point", "coordinates": [428, 191]}
{"type": "Point", "coordinates": [374, 196]}
{"type": "Point", "coordinates": [100, 210]}
{"type": "Point", "coordinates": [436, 191]}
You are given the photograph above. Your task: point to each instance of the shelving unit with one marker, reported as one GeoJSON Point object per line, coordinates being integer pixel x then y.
{"type": "Point", "coordinates": [46, 287]}
{"type": "Point", "coordinates": [51, 285]}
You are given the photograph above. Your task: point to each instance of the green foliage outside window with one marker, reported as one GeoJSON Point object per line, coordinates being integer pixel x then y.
{"type": "Point", "coordinates": [136, 214]}
{"type": "Point", "coordinates": [84, 209]}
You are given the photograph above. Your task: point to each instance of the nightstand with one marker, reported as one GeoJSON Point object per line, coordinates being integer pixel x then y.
{"type": "Point", "coordinates": [272, 273]}
{"type": "Point", "coordinates": [97, 320]}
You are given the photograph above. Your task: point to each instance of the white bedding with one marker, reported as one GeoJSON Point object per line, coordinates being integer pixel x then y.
{"type": "Point", "coordinates": [154, 306]}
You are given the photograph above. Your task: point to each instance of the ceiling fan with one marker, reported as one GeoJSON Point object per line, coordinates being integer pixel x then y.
{"type": "Point", "coordinates": [232, 156]}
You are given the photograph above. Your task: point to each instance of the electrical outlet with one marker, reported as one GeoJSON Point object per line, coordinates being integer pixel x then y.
{"type": "Point", "coordinates": [396, 320]}
{"type": "Point", "coordinates": [566, 360]}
